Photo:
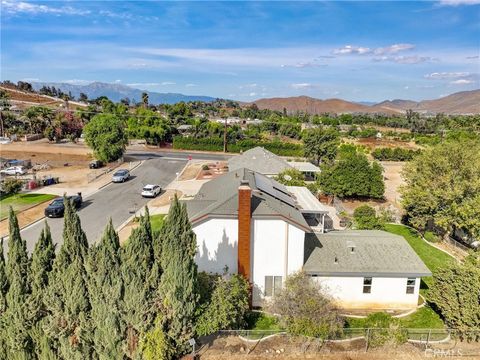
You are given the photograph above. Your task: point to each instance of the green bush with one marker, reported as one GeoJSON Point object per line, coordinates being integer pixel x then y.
{"type": "Point", "coordinates": [12, 186]}
{"type": "Point", "coordinates": [431, 237]}
{"type": "Point", "coordinates": [365, 218]}
{"type": "Point", "coordinates": [396, 154]}
{"type": "Point", "coordinates": [384, 330]}
{"type": "Point", "coordinates": [216, 144]}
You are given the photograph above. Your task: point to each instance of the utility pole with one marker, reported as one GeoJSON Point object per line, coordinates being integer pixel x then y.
{"type": "Point", "coordinates": [225, 137]}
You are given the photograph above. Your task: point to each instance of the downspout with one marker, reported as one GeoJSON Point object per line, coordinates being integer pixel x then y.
{"type": "Point", "coordinates": [286, 251]}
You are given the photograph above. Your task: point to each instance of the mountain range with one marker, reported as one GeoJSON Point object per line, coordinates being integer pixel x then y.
{"type": "Point", "coordinates": [116, 92]}
{"type": "Point", "coordinates": [465, 102]}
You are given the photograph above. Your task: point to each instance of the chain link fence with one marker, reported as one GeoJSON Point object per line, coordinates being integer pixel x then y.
{"type": "Point", "coordinates": [418, 342]}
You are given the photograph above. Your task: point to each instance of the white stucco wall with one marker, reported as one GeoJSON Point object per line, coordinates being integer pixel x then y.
{"type": "Point", "coordinates": [274, 253]}
{"type": "Point", "coordinates": [217, 241]}
{"type": "Point", "coordinates": [386, 292]}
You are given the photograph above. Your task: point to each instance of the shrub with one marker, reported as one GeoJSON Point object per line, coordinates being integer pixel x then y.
{"type": "Point", "coordinates": [228, 306]}
{"type": "Point", "coordinates": [384, 330]}
{"type": "Point", "coordinates": [365, 218]}
{"type": "Point", "coordinates": [304, 309]}
{"type": "Point", "coordinates": [396, 154]}
{"type": "Point", "coordinates": [12, 186]}
{"type": "Point", "coordinates": [431, 237]}
{"type": "Point", "coordinates": [291, 177]}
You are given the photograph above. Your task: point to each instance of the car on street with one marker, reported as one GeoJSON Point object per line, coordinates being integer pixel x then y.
{"type": "Point", "coordinates": [14, 170]}
{"type": "Point", "coordinates": [121, 175]}
{"type": "Point", "coordinates": [57, 208]}
{"type": "Point", "coordinates": [151, 190]}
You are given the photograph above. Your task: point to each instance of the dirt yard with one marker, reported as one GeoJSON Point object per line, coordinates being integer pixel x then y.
{"type": "Point", "coordinates": [282, 347]}
{"type": "Point", "coordinates": [373, 143]}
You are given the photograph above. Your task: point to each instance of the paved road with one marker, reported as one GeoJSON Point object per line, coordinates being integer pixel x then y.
{"type": "Point", "coordinates": [114, 200]}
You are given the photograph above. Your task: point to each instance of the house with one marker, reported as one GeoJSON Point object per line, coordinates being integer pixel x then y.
{"type": "Point", "coordinates": [267, 163]}
{"type": "Point", "coordinates": [185, 129]}
{"type": "Point", "coordinates": [250, 224]}
{"type": "Point", "coordinates": [365, 269]}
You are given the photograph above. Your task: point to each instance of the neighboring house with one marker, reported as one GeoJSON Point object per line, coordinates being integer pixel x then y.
{"type": "Point", "coordinates": [185, 129]}
{"type": "Point", "coordinates": [254, 226]}
{"type": "Point", "coordinates": [267, 163]}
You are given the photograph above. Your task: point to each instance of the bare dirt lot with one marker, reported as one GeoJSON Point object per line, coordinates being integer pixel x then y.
{"type": "Point", "coordinates": [283, 347]}
{"type": "Point", "coordinates": [373, 143]}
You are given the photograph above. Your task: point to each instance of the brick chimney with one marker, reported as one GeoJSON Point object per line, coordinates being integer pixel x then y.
{"type": "Point", "coordinates": [244, 221]}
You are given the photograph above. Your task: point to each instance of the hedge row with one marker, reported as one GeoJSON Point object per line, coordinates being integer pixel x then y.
{"type": "Point", "coordinates": [396, 154]}
{"type": "Point", "coordinates": [216, 144]}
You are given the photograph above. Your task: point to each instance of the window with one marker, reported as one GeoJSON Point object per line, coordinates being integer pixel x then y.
{"type": "Point", "coordinates": [273, 284]}
{"type": "Point", "coordinates": [367, 285]}
{"type": "Point", "coordinates": [411, 285]}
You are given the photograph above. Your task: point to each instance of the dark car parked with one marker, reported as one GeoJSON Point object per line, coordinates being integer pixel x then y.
{"type": "Point", "coordinates": [56, 208]}
{"type": "Point", "coordinates": [95, 164]}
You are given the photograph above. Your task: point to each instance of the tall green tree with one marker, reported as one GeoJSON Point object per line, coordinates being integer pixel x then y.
{"type": "Point", "coordinates": [105, 134]}
{"type": "Point", "coordinates": [3, 304]}
{"type": "Point", "coordinates": [41, 265]}
{"type": "Point", "coordinates": [68, 302]}
{"type": "Point", "coordinates": [136, 266]}
{"type": "Point", "coordinates": [321, 144]}
{"type": "Point", "coordinates": [456, 293]}
{"type": "Point", "coordinates": [106, 289]}
{"type": "Point", "coordinates": [443, 186]}
{"type": "Point", "coordinates": [352, 176]}
{"type": "Point", "coordinates": [178, 286]}
{"type": "Point", "coordinates": [16, 317]}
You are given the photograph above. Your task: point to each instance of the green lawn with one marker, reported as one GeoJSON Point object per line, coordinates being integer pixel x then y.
{"type": "Point", "coordinates": [423, 318]}
{"type": "Point", "coordinates": [20, 202]}
{"type": "Point", "coordinates": [261, 321]}
{"type": "Point", "coordinates": [432, 257]}
{"type": "Point", "coordinates": [157, 221]}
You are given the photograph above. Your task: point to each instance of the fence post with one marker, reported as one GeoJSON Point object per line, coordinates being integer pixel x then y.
{"type": "Point", "coordinates": [428, 338]}
{"type": "Point", "coordinates": [367, 337]}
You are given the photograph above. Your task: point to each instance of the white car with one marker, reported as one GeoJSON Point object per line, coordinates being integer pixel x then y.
{"type": "Point", "coordinates": [151, 190]}
{"type": "Point", "coordinates": [14, 170]}
{"type": "Point", "coordinates": [5, 140]}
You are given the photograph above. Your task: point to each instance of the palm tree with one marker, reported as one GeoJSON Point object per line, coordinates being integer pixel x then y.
{"type": "Point", "coordinates": [145, 99]}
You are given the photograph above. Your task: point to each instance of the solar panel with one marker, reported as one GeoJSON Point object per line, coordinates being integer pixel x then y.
{"type": "Point", "coordinates": [273, 188]}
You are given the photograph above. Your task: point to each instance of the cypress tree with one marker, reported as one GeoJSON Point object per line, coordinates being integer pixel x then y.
{"type": "Point", "coordinates": [137, 257]}
{"type": "Point", "coordinates": [42, 262]}
{"type": "Point", "coordinates": [18, 341]}
{"type": "Point", "coordinates": [68, 301]}
{"type": "Point", "coordinates": [3, 281]}
{"type": "Point", "coordinates": [178, 286]}
{"type": "Point", "coordinates": [3, 303]}
{"type": "Point", "coordinates": [106, 289]}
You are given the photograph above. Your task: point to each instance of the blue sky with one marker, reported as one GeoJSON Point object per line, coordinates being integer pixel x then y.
{"type": "Point", "coordinates": [360, 51]}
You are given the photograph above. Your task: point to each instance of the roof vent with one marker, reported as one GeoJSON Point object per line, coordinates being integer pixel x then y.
{"type": "Point", "coordinates": [351, 246]}
{"type": "Point", "coordinates": [335, 260]}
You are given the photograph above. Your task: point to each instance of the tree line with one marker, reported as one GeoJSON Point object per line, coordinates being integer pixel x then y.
{"type": "Point", "coordinates": [143, 300]}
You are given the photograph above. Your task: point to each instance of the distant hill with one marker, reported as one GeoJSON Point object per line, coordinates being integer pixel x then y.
{"type": "Point", "coordinates": [465, 102]}
{"type": "Point", "coordinates": [116, 92]}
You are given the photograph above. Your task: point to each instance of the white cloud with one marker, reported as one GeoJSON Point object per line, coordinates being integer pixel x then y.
{"type": "Point", "coordinates": [393, 49]}
{"type": "Point", "coordinates": [406, 87]}
{"type": "Point", "coordinates": [350, 49]}
{"type": "Point", "coordinates": [414, 59]}
{"type": "Point", "coordinates": [118, 81]}
{"type": "Point", "coordinates": [166, 83]}
{"type": "Point", "coordinates": [302, 65]}
{"type": "Point", "coordinates": [472, 57]}
{"type": "Point", "coordinates": [462, 82]}
{"type": "Point", "coordinates": [446, 75]}
{"type": "Point", "coordinates": [190, 85]}
{"type": "Point", "coordinates": [300, 86]}
{"type": "Point", "coordinates": [16, 7]}
{"type": "Point", "coordinates": [252, 94]}
{"type": "Point", "coordinates": [30, 79]}
{"type": "Point", "coordinates": [458, 2]}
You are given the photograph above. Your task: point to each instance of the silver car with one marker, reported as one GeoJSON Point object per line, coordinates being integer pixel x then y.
{"type": "Point", "coordinates": [121, 175]}
{"type": "Point", "coordinates": [14, 170]}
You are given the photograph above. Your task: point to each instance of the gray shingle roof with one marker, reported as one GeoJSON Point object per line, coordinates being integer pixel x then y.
{"type": "Point", "coordinates": [219, 198]}
{"type": "Point", "coordinates": [260, 160]}
{"type": "Point", "coordinates": [376, 253]}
